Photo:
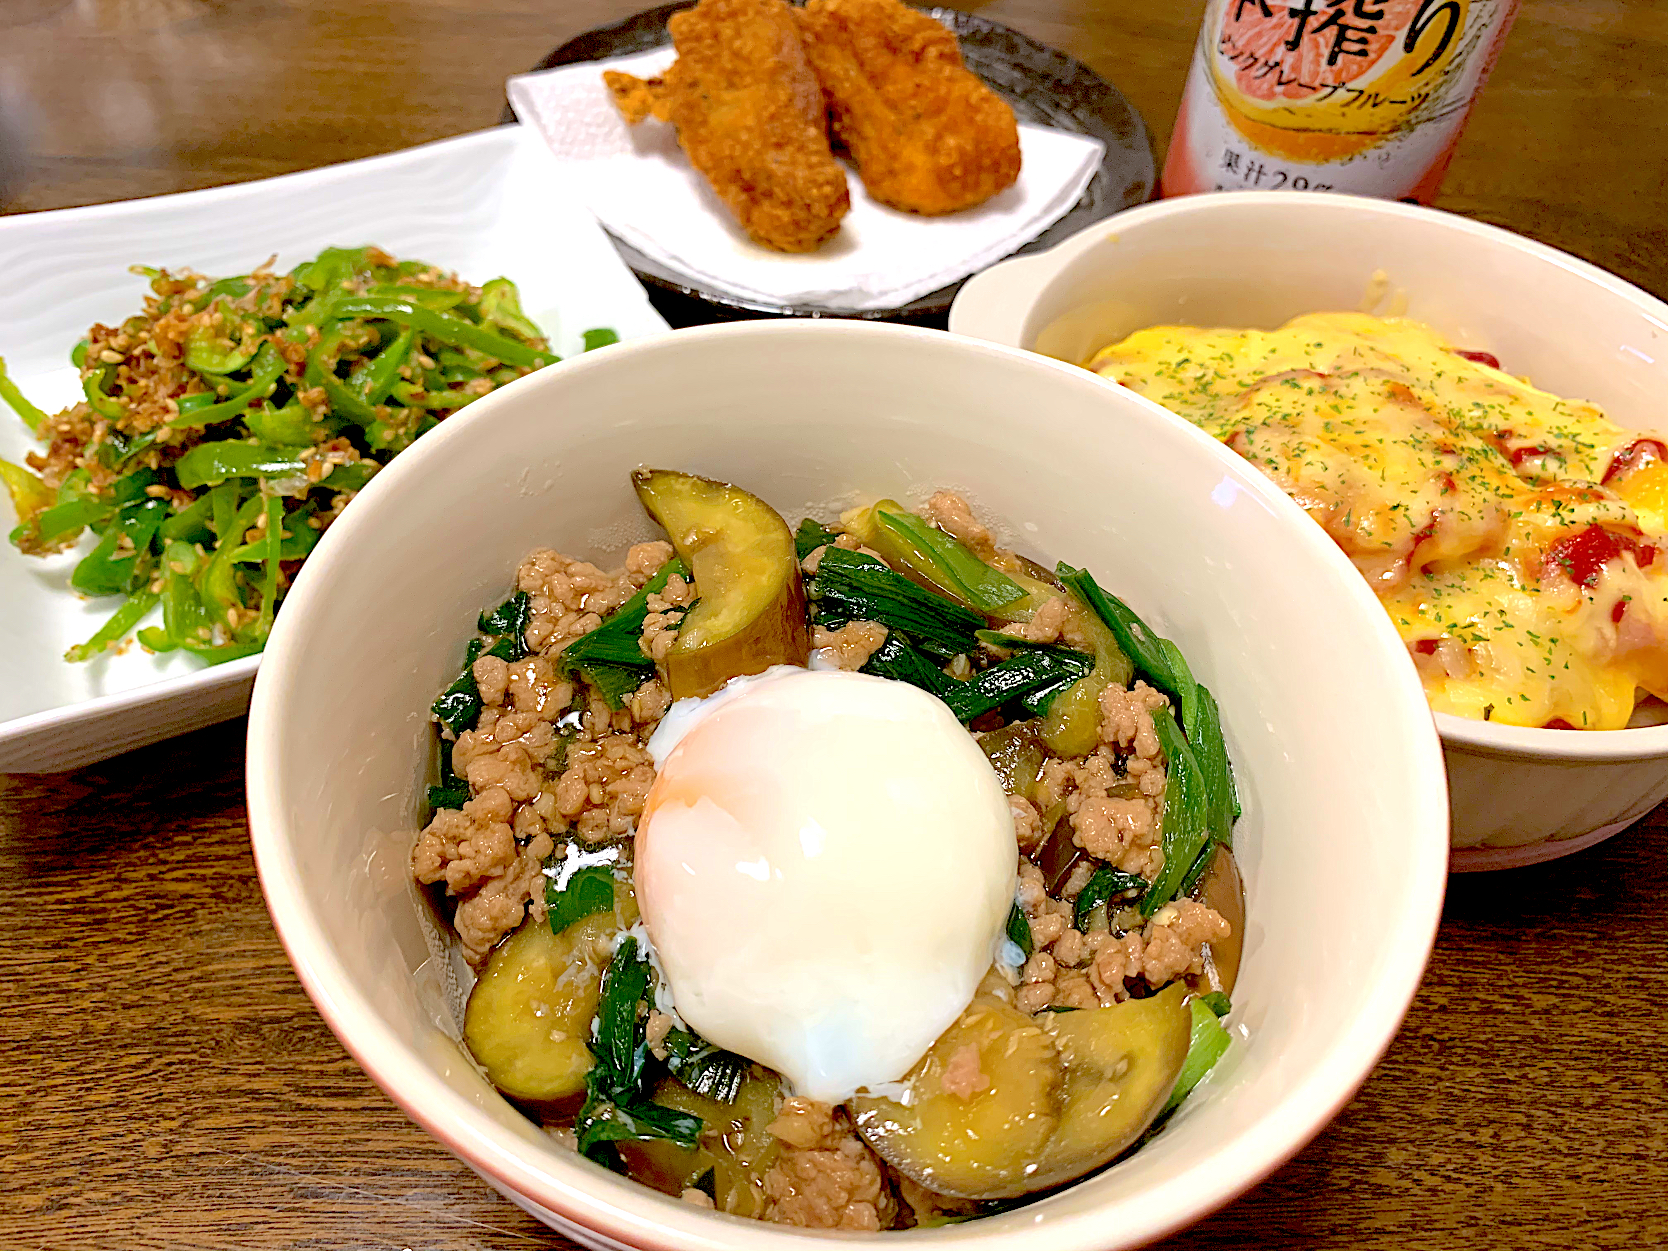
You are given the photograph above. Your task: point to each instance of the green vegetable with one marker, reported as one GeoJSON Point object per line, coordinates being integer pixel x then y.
{"type": "Point", "coordinates": [451, 791]}
{"type": "Point", "coordinates": [441, 326]}
{"type": "Point", "coordinates": [810, 536]}
{"type": "Point", "coordinates": [897, 659]}
{"type": "Point", "coordinates": [501, 306]}
{"type": "Point", "coordinates": [376, 377]}
{"type": "Point", "coordinates": [268, 367]}
{"type": "Point", "coordinates": [1019, 931]}
{"type": "Point", "coordinates": [1022, 677]}
{"type": "Point", "coordinates": [459, 705]}
{"type": "Point", "coordinates": [1217, 1002]}
{"type": "Point", "coordinates": [1207, 1041]}
{"type": "Point", "coordinates": [1160, 661]}
{"type": "Point", "coordinates": [289, 426]}
{"type": "Point", "coordinates": [912, 541]}
{"type": "Point", "coordinates": [102, 571]}
{"type": "Point", "coordinates": [32, 417]}
{"type": "Point", "coordinates": [274, 555]}
{"type": "Point", "coordinates": [349, 477]}
{"type": "Point", "coordinates": [707, 1070]}
{"type": "Point", "coordinates": [586, 892]}
{"type": "Point", "coordinates": [1100, 889]}
{"type": "Point", "coordinates": [30, 496]}
{"type": "Point", "coordinates": [209, 464]}
{"type": "Point", "coordinates": [190, 523]}
{"type": "Point", "coordinates": [616, 1107]}
{"type": "Point", "coordinates": [509, 618]}
{"type": "Point", "coordinates": [286, 370]}
{"type": "Point", "coordinates": [208, 350]}
{"type": "Point", "coordinates": [849, 586]}
{"type": "Point", "coordinates": [118, 627]}
{"type": "Point", "coordinates": [1186, 833]}
{"type": "Point", "coordinates": [610, 657]}
{"type": "Point", "coordinates": [600, 338]}
{"type": "Point", "coordinates": [95, 386]}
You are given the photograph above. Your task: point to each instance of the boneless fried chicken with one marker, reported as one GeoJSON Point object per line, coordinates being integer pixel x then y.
{"type": "Point", "coordinates": [750, 117]}
{"type": "Point", "coordinates": [926, 134]}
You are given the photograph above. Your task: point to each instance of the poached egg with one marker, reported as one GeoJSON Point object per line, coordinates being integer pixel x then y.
{"type": "Point", "coordinates": [825, 866]}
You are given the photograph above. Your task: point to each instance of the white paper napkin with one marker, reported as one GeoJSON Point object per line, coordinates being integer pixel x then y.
{"type": "Point", "coordinates": [641, 187]}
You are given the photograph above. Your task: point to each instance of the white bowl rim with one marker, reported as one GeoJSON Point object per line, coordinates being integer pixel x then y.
{"type": "Point", "coordinates": [1481, 737]}
{"type": "Point", "coordinates": [640, 1217]}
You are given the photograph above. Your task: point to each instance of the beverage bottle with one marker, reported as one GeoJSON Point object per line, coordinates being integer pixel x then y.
{"type": "Point", "coordinates": [1364, 96]}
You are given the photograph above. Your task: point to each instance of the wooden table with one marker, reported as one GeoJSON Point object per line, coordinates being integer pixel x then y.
{"type": "Point", "coordinates": [165, 1082]}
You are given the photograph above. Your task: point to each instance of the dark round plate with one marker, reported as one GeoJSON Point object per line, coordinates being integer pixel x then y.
{"type": "Point", "coordinates": [1043, 86]}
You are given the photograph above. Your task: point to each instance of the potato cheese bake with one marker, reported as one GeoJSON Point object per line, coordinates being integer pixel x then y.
{"type": "Point", "coordinates": [1512, 535]}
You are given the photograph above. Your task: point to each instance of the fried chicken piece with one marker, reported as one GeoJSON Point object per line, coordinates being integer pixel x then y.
{"type": "Point", "coordinates": [750, 117]}
{"type": "Point", "coordinates": [927, 135]}
{"type": "Point", "coordinates": [637, 98]}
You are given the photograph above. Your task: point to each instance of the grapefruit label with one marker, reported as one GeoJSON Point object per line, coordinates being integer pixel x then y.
{"type": "Point", "coordinates": [1359, 95]}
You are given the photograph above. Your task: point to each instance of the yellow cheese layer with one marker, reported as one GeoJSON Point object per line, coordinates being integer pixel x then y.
{"type": "Point", "coordinates": [1528, 591]}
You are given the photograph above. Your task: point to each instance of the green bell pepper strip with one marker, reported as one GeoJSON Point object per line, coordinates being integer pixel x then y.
{"type": "Point", "coordinates": [268, 367]}
{"type": "Point", "coordinates": [183, 615]}
{"type": "Point", "coordinates": [120, 625]}
{"type": "Point", "coordinates": [101, 571]}
{"type": "Point", "coordinates": [349, 477]}
{"type": "Point", "coordinates": [274, 554]}
{"type": "Point", "coordinates": [93, 387]}
{"type": "Point", "coordinates": [600, 338]}
{"type": "Point", "coordinates": [219, 583]}
{"type": "Point", "coordinates": [437, 398]}
{"type": "Point", "coordinates": [233, 288]}
{"type": "Point", "coordinates": [429, 297]}
{"type": "Point", "coordinates": [30, 496]}
{"type": "Point", "coordinates": [299, 539]}
{"type": "Point", "coordinates": [210, 464]}
{"type": "Point", "coordinates": [444, 327]}
{"type": "Point", "coordinates": [289, 426]}
{"type": "Point", "coordinates": [205, 353]}
{"type": "Point", "coordinates": [223, 501]}
{"type": "Point", "coordinates": [501, 306]}
{"type": "Point", "coordinates": [344, 400]}
{"type": "Point", "coordinates": [77, 507]}
{"type": "Point", "coordinates": [191, 523]}
{"type": "Point", "coordinates": [116, 449]}
{"type": "Point", "coordinates": [376, 377]}
{"type": "Point", "coordinates": [135, 487]}
{"type": "Point", "coordinates": [32, 416]}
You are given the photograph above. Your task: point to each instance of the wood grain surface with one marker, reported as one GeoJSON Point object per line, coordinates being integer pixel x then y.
{"type": "Point", "coordinates": [164, 1082]}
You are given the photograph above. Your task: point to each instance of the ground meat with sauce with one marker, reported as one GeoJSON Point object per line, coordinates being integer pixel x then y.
{"type": "Point", "coordinates": [825, 1177]}
{"type": "Point", "coordinates": [851, 645]}
{"type": "Point", "coordinates": [533, 783]}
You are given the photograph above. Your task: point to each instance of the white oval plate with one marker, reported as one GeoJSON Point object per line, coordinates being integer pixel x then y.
{"type": "Point", "coordinates": [484, 204]}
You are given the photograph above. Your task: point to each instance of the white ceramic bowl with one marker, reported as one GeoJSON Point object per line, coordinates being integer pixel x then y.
{"type": "Point", "coordinates": [1257, 259]}
{"type": "Point", "coordinates": [1344, 838]}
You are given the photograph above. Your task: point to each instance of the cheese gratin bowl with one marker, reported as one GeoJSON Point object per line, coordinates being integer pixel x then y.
{"type": "Point", "coordinates": [1257, 259]}
{"type": "Point", "coordinates": [1326, 726]}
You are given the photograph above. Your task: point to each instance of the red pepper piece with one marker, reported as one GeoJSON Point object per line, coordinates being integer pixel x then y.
{"type": "Point", "coordinates": [1635, 456]}
{"type": "Point", "coordinates": [1582, 556]}
{"type": "Point", "coordinates": [1482, 358]}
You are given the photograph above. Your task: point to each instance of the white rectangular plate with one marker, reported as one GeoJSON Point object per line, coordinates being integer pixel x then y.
{"type": "Point", "coordinates": [482, 205]}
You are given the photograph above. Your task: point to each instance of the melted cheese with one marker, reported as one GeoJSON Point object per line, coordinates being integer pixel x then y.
{"type": "Point", "coordinates": [1527, 590]}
